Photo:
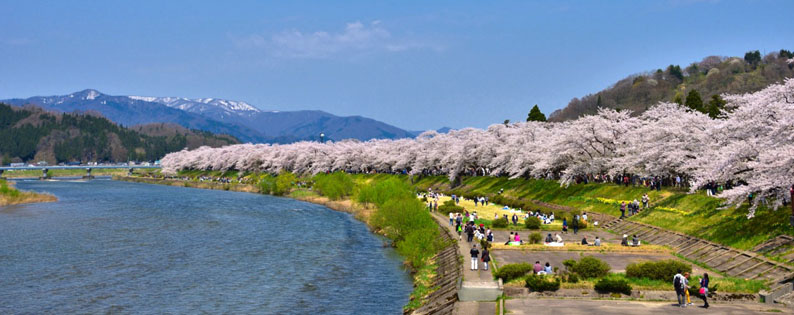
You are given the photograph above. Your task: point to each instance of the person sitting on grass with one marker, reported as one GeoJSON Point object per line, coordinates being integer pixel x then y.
{"type": "Point", "coordinates": [518, 239]}
{"type": "Point", "coordinates": [549, 239]}
{"type": "Point", "coordinates": [597, 241]}
{"type": "Point", "coordinates": [625, 240]}
{"type": "Point", "coordinates": [635, 241]}
{"type": "Point", "coordinates": [548, 269]}
{"type": "Point", "coordinates": [509, 238]}
{"type": "Point", "coordinates": [559, 239]}
{"type": "Point", "coordinates": [537, 268]}
{"type": "Point", "coordinates": [584, 241]}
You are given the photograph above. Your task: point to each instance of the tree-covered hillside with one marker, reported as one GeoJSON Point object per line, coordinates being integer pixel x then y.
{"type": "Point", "coordinates": [713, 75]}
{"type": "Point", "coordinates": [31, 134]}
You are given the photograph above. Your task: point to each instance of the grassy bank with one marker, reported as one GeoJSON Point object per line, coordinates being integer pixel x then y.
{"type": "Point", "coordinates": [673, 209]}
{"type": "Point", "coordinates": [12, 196]}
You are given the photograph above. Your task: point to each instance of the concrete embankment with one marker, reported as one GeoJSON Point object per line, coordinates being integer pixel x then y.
{"type": "Point", "coordinates": [448, 272]}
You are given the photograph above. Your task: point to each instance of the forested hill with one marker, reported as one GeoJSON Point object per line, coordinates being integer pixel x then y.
{"type": "Point", "coordinates": [31, 134]}
{"type": "Point", "coordinates": [712, 76]}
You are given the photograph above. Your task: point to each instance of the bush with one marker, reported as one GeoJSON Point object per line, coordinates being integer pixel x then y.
{"type": "Point", "coordinates": [334, 186]}
{"type": "Point", "coordinates": [512, 271]}
{"type": "Point", "coordinates": [532, 223]}
{"type": "Point", "coordinates": [284, 182]}
{"type": "Point", "coordinates": [449, 206]}
{"type": "Point", "coordinates": [657, 270]}
{"type": "Point", "coordinates": [573, 278]}
{"type": "Point", "coordinates": [569, 263]}
{"type": "Point", "coordinates": [538, 283]}
{"type": "Point", "coordinates": [535, 238]}
{"type": "Point", "coordinates": [500, 223]}
{"type": "Point", "coordinates": [591, 267]}
{"type": "Point", "coordinates": [607, 285]}
{"type": "Point", "coordinates": [383, 191]}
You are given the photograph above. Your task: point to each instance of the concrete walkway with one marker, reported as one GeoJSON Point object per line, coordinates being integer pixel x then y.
{"type": "Point", "coordinates": [592, 307]}
{"type": "Point", "coordinates": [478, 289]}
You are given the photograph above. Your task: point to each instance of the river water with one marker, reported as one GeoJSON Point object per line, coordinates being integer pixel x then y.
{"type": "Point", "coordinates": [118, 247]}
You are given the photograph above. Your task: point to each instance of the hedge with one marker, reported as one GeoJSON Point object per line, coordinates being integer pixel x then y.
{"type": "Point", "coordinates": [532, 223]}
{"type": "Point", "coordinates": [538, 283]}
{"type": "Point", "coordinates": [591, 267]}
{"type": "Point", "coordinates": [657, 270]}
{"type": "Point", "coordinates": [607, 285]}
{"type": "Point", "coordinates": [512, 271]}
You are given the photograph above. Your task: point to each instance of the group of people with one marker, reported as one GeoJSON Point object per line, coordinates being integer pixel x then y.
{"type": "Point", "coordinates": [539, 269]}
{"type": "Point", "coordinates": [485, 256]}
{"type": "Point", "coordinates": [635, 241]}
{"type": "Point", "coordinates": [681, 285]}
{"type": "Point", "coordinates": [574, 223]}
{"type": "Point", "coordinates": [633, 207]}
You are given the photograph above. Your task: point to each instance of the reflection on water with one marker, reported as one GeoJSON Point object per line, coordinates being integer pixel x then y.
{"type": "Point", "coordinates": [110, 246]}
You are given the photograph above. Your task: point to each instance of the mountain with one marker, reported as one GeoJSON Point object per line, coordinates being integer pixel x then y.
{"type": "Point", "coordinates": [31, 134]}
{"type": "Point", "coordinates": [711, 76]}
{"type": "Point", "coordinates": [416, 133]}
{"type": "Point", "coordinates": [128, 112]}
{"type": "Point", "coordinates": [239, 119]}
{"type": "Point", "coordinates": [284, 126]}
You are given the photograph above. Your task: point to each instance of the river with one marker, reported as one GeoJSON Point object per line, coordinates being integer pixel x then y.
{"type": "Point", "coordinates": [119, 247]}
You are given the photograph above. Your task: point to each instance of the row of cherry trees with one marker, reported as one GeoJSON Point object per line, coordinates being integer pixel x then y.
{"type": "Point", "coordinates": [751, 144]}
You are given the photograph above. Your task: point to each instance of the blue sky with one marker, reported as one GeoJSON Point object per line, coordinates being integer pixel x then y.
{"type": "Point", "coordinates": [417, 65]}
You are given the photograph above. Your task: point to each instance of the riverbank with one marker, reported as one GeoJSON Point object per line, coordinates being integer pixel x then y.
{"type": "Point", "coordinates": [12, 196]}
{"type": "Point", "coordinates": [435, 283]}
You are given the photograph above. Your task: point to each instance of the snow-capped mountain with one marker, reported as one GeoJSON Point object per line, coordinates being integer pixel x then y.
{"type": "Point", "coordinates": [213, 107]}
{"type": "Point", "coordinates": [239, 119]}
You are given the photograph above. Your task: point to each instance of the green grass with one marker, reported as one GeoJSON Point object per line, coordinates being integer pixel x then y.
{"type": "Point", "coordinates": [73, 172]}
{"type": "Point", "coordinates": [423, 286]}
{"type": "Point", "coordinates": [673, 209]}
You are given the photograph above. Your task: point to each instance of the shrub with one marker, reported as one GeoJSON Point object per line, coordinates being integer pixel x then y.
{"type": "Point", "coordinates": [266, 184]}
{"type": "Point", "coordinates": [532, 223]}
{"type": "Point", "coordinates": [449, 206]}
{"type": "Point", "coordinates": [657, 270]}
{"type": "Point", "coordinates": [512, 271]}
{"type": "Point", "coordinates": [284, 182]}
{"type": "Point", "coordinates": [383, 191]}
{"type": "Point", "coordinates": [607, 285]}
{"type": "Point", "coordinates": [538, 283]}
{"type": "Point", "coordinates": [573, 278]}
{"type": "Point", "coordinates": [569, 263]}
{"type": "Point", "coordinates": [500, 223]}
{"type": "Point", "coordinates": [334, 186]}
{"type": "Point", "coordinates": [591, 267]}
{"type": "Point", "coordinates": [535, 238]}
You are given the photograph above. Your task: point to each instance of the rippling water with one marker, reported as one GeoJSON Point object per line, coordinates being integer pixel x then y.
{"type": "Point", "coordinates": [120, 247]}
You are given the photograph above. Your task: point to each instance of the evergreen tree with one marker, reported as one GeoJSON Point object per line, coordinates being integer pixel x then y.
{"type": "Point", "coordinates": [752, 57]}
{"type": "Point", "coordinates": [507, 122]}
{"type": "Point", "coordinates": [535, 114]}
{"type": "Point", "coordinates": [716, 104]}
{"type": "Point", "coordinates": [675, 71]}
{"type": "Point", "coordinates": [694, 101]}
{"type": "Point", "coordinates": [598, 102]}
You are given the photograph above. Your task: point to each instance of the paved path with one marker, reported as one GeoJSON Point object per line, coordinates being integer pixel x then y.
{"type": "Point", "coordinates": [479, 278]}
{"type": "Point", "coordinates": [592, 307]}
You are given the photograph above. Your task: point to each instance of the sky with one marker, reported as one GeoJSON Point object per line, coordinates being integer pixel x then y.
{"type": "Point", "coordinates": [415, 64]}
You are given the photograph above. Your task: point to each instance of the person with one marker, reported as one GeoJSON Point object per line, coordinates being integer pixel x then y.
{"type": "Point", "coordinates": [645, 201]}
{"type": "Point", "coordinates": [635, 241]}
{"type": "Point", "coordinates": [475, 202]}
{"type": "Point", "coordinates": [622, 209]}
{"type": "Point", "coordinates": [537, 268]}
{"type": "Point", "coordinates": [515, 219]}
{"type": "Point", "coordinates": [489, 236]}
{"type": "Point", "coordinates": [518, 238]}
{"type": "Point", "coordinates": [475, 254]}
{"type": "Point", "coordinates": [510, 238]}
{"type": "Point", "coordinates": [559, 238]}
{"type": "Point", "coordinates": [460, 230]}
{"type": "Point", "coordinates": [548, 269]}
{"type": "Point", "coordinates": [575, 224]}
{"type": "Point", "coordinates": [584, 217]}
{"type": "Point", "coordinates": [678, 284]}
{"type": "Point", "coordinates": [686, 288]}
{"type": "Point", "coordinates": [584, 241]}
{"type": "Point", "coordinates": [565, 225]}
{"type": "Point", "coordinates": [625, 240]}
{"type": "Point", "coordinates": [495, 216]}
{"type": "Point", "coordinates": [549, 239]}
{"type": "Point", "coordinates": [459, 219]}
{"type": "Point", "coordinates": [469, 232]}
{"type": "Point", "coordinates": [486, 258]}
{"type": "Point", "coordinates": [597, 241]}
{"type": "Point", "coordinates": [451, 218]}
{"type": "Point", "coordinates": [704, 289]}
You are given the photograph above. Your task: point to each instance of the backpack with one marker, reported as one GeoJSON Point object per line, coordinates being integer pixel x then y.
{"type": "Point", "coordinates": [677, 282]}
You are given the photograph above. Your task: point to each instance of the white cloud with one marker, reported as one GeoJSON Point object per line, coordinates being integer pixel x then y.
{"type": "Point", "coordinates": [356, 37]}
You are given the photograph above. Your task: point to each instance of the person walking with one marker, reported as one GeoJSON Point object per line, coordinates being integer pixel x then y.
{"type": "Point", "coordinates": [451, 218]}
{"type": "Point", "coordinates": [686, 288]}
{"type": "Point", "coordinates": [622, 209]}
{"type": "Point", "coordinates": [515, 219]}
{"type": "Point", "coordinates": [564, 226]}
{"type": "Point", "coordinates": [704, 289]}
{"type": "Point", "coordinates": [475, 254]}
{"type": "Point", "coordinates": [678, 284]}
{"type": "Point", "coordinates": [460, 230]}
{"type": "Point", "coordinates": [575, 224]}
{"type": "Point", "coordinates": [645, 201]}
{"type": "Point", "coordinates": [486, 258]}
{"type": "Point", "coordinates": [469, 232]}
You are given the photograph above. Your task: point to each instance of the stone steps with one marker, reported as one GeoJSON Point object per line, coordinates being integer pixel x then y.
{"type": "Point", "coordinates": [731, 261]}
